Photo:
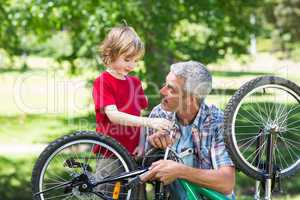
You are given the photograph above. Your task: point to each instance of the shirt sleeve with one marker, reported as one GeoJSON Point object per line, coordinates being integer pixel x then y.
{"type": "Point", "coordinates": [219, 152]}
{"type": "Point", "coordinates": [143, 101]}
{"type": "Point", "coordinates": [102, 94]}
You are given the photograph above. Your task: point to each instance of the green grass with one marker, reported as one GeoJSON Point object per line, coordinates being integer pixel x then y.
{"type": "Point", "coordinates": [245, 188]}
{"type": "Point", "coordinates": [15, 173]}
{"type": "Point", "coordinates": [237, 73]}
{"type": "Point", "coordinates": [41, 128]}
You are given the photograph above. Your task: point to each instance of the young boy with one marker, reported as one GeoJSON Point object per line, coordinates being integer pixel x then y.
{"type": "Point", "coordinates": [119, 98]}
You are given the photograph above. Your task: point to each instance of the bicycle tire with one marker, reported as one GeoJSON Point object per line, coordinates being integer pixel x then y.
{"type": "Point", "coordinates": [57, 146]}
{"type": "Point", "coordinates": [229, 118]}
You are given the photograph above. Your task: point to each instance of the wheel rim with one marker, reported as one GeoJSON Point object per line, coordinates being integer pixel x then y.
{"type": "Point", "coordinates": [265, 109]}
{"type": "Point", "coordinates": [50, 179]}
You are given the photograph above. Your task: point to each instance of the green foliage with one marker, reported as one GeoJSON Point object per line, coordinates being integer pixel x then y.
{"type": "Point", "coordinates": [287, 14]}
{"type": "Point", "coordinates": [284, 18]}
{"type": "Point", "coordinates": [9, 38]}
{"type": "Point", "coordinates": [296, 52]}
{"type": "Point", "coordinates": [172, 30]}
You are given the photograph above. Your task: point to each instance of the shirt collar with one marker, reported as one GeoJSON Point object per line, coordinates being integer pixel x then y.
{"type": "Point", "coordinates": [200, 117]}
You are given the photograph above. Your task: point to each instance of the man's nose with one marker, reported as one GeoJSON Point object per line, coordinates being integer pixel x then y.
{"type": "Point", "coordinates": [162, 91]}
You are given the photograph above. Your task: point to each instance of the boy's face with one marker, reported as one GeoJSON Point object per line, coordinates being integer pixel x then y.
{"type": "Point", "coordinates": [123, 65]}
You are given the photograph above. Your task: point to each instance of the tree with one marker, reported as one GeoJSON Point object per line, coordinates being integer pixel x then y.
{"type": "Point", "coordinates": [218, 26]}
{"type": "Point", "coordinates": [284, 17]}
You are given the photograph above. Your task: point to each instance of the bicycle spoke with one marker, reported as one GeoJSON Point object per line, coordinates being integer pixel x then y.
{"type": "Point", "coordinates": [254, 117]}
{"type": "Point", "coordinates": [256, 112]}
{"type": "Point", "coordinates": [283, 158]}
{"type": "Point", "coordinates": [288, 144]}
{"type": "Point", "coordinates": [244, 139]}
{"type": "Point", "coordinates": [262, 156]}
{"type": "Point", "coordinates": [246, 133]}
{"type": "Point", "coordinates": [243, 126]}
{"type": "Point", "coordinates": [279, 155]}
{"type": "Point", "coordinates": [56, 181]}
{"type": "Point", "coordinates": [292, 141]}
{"type": "Point", "coordinates": [256, 152]}
{"type": "Point", "coordinates": [90, 154]}
{"type": "Point", "coordinates": [251, 142]}
{"type": "Point", "coordinates": [288, 149]}
{"type": "Point", "coordinates": [291, 110]}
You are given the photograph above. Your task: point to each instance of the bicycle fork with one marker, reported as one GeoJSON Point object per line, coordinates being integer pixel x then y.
{"type": "Point", "coordinates": [269, 165]}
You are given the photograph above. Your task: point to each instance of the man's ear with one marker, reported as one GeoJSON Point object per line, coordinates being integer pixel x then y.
{"type": "Point", "coordinates": [195, 101]}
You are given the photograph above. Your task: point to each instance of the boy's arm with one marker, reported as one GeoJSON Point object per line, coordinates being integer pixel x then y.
{"type": "Point", "coordinates": [122, 118]}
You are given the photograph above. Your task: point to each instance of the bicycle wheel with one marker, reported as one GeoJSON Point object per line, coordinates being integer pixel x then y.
{"type": "Point", "coordinates": [263, 106]}
{"type": "Point", "coordinates": [82, 153]}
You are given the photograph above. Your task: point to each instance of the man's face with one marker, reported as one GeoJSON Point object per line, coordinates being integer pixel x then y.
{"type": "Point", "coordinates": [172, 93]}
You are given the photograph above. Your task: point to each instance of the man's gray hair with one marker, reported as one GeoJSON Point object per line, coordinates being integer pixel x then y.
{"type": "Point", "coordinates": [198, 80]}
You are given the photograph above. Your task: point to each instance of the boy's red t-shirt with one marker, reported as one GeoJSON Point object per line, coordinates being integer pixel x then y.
{"type": "Point", "coordinates": [128, 95]}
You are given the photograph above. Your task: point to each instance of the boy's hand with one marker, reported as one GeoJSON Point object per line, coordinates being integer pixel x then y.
{"type": "Point", "coordinates": [160, 139]}
{"type": "Point", "coordinates": [160, 123]}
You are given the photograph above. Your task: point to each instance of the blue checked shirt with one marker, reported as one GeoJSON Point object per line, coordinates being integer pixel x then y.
{"type": "Point", "coordinates": [207, 135]}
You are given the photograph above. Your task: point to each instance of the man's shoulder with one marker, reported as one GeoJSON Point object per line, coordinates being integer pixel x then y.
{"type": "Point", "coordinates": [216, 114]}
{"type": "Point", "coordinates": [158, 111]}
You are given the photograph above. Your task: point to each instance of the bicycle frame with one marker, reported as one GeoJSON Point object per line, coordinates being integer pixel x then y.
{"type": "Point", "coordinates": [82, 181]}
{"type": "Point", "coordinates": [131, 179]}
{"type": "Point", "coordinates": [192, 190]}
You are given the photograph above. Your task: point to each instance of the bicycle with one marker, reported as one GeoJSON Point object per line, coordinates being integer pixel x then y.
{"type": "Point", "coordinates": [67, 169]}
{"type": "Point", "coordinates": [261, 135]}
{"type": "Point", "coordinates": [262, 131]}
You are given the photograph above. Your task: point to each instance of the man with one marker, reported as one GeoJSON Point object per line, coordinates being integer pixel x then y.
{"type": "Point", "coordinates": [199, 127]}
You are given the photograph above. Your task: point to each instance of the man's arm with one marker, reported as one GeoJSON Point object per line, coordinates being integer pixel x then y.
{"type": "Point", "coordinates": [221, 180]}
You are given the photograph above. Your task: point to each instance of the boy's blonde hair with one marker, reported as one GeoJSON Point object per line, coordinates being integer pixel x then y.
{"type": "Point", "coordinates": [121, 40]}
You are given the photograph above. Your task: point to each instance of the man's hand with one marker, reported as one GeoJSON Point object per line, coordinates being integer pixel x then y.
{"type": "Point", "coordinates": [165, 170]}
{"type": "Point", "coordinates": [160, 139]}
{"type": "Point", "coordinates": [138, 152]}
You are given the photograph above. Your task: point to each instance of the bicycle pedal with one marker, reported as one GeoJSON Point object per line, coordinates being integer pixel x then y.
{"type": "Point", "coordinates": [71, 163]}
